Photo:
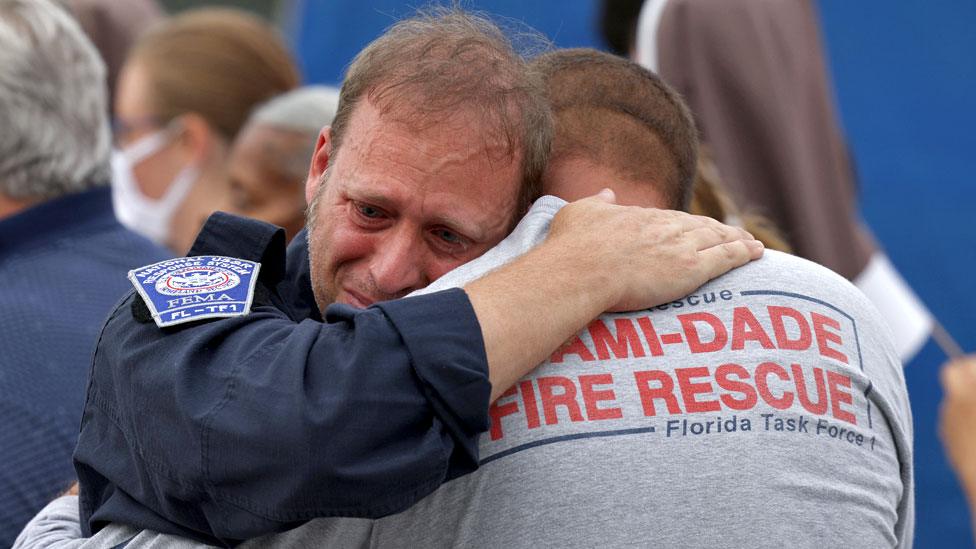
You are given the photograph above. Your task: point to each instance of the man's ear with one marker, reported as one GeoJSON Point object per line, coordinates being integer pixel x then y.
{"type": "Point", "coordinates": [197, 138]}
{"type": "Point", "coordinates": [320, 161]}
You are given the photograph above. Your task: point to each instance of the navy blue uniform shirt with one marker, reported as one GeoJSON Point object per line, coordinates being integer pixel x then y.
{"type": "Point", "coordinates": [227, 429]}
{"type": "Point", "coordinates": [62, 267]}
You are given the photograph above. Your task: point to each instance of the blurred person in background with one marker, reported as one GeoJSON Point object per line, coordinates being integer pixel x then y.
{"type": "Point", "coordinates": [63, 255]}
{"type": "Point", "coordinates": [755, 76]}
{"type": "Point", "coordinates": [113, 27]}
{"type": "Point", "coordinates": [183, 95]}
{"type": "Point", "coordinates": [618, 25]}
{"type": "Point", "coordinates": [709, 197]}
{"type": "Point", "coordinates": [270, 157]}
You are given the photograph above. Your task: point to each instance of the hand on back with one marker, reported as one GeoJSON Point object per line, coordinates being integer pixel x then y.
{"type": "Point", "coordinates": [649, 256]}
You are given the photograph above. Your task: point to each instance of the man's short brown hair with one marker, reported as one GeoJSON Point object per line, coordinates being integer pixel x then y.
{"type": "Point", "coordinates": [616, 113]}
{"type": "Point", "coordinates": [444, 60]}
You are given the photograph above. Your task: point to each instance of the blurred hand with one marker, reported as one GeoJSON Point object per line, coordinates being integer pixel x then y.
{"type": "Point", "coordinates": [650, 256]}
{"type": "Point", "coordinates": [957, 424]}
{"type": "Point", "coordinates": [958, 419]}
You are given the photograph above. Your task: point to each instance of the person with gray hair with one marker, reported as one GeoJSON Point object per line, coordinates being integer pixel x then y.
{"type": "Point", "coordinates": [63, 256]}
{"type": "Point", "coordinates": [54, 100]}
{"type": "Point", "coordinates": [269, 159]}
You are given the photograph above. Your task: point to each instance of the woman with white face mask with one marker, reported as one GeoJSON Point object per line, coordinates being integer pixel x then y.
{"type": "Point", "coordinates": [185, 90]}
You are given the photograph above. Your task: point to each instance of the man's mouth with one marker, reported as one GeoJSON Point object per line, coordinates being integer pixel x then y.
{"type": "Point", "coordinates": [355, 299]}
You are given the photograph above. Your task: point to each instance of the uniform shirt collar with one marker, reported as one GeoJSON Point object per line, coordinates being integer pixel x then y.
{"type": "Point", "coordinates": [53, 219]}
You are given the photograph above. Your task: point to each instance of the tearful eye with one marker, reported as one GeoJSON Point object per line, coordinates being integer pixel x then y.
{"type": "Point", "coordinates": [368, 217]}
{"type": "Point", "coordinates": [448, 236]}
{"type": "Point", "coordinates": [369, 211]}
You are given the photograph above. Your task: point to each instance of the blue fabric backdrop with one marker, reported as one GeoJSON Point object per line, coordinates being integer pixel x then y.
{"type": "Point", "coordinates": [905, 74]}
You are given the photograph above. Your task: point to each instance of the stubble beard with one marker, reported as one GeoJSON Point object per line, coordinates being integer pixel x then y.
{"type": "Point", "coordinates": [321, 287]}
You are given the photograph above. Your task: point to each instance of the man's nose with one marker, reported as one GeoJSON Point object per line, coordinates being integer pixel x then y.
{"type": "Point", "coordinates": [397, 265]}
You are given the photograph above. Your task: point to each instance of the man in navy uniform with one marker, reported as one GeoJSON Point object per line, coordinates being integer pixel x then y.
{"type": "Point", "coordinates": [227, 429]}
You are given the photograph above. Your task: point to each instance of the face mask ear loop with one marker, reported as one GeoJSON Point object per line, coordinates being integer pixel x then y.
{"type": "Point", "coordinates": [180, 186]}
{"type": "Point", "coordinates": [145, 146]}
{"type": "Point", "coordinates": [150, 144]}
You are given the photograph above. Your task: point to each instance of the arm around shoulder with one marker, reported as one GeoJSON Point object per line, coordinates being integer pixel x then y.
{"type": "Point", "coordinates": [236, 428]}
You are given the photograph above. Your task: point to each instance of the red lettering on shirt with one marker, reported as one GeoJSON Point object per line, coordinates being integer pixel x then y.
{"type": "Point", "coordinates": [762, 374]}
{"type": "Point", "coordinates": [820, 407]}
{"type": "Point", "coordinates": [591, 397]}
{"type": "Point", "coordinates": [650, 335]}
{"type": "Point", "coordinates": [723, 379]}
{"type": "Point", "coordinates": [824, 337]}
{"type": "Point", "coordinates": [690, 389]}
{"type": "Point", "coordinates": [776, 316]}
{"type": "Point", "coordinates": [745, 327]}
{"type": "Point", "coordinates": [649, 394]}
{"type": "Point", "coordinates": [695, 344]}
{"type": "Point", "coordinates": [574, 346]}
{"type": "Point", "coordinates": [498, 410]}
{"type": "Point", "coordinates": [839, 396]}
{"type": "Point", "coordinates": [551, 400]}
{"type": "Point", "coordinates": [529, 401]}
{"type": "Point", "coordinates": [627, 338]}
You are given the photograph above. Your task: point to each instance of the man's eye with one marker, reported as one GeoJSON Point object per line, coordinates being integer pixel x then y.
{"type": "Point", "coordinates": [369, 211]}
{"type": "Point", "coordinates": [448, 236]}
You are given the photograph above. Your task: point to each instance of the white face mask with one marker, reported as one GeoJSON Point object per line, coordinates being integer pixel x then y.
{"type": "Point", "coordinates": [147, 216]}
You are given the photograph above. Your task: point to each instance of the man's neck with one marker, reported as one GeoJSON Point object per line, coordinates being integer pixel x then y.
{"type": "Point", "coordinates": [12, 206]}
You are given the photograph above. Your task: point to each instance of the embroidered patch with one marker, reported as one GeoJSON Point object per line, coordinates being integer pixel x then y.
{"type": "Point", "coordinates": [188, 289]}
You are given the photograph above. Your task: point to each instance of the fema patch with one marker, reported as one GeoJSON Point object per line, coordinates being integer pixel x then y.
{"type": "Point", "coordinates": [188, 289]}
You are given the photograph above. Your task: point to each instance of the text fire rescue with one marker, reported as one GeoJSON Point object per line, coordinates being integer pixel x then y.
{"type": "Point", "coordinates": [729, 386]}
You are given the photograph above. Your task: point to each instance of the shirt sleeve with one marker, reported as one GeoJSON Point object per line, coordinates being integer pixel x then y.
{"type": "Point", "coordinates": [231, 429]}
{"type": "Point", "coordinates": [54, 527]}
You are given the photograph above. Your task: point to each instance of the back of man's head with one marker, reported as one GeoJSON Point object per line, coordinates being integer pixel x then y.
{"type": "Point", "coordinates": [614, 113]}
{"type": "Point", "coordinates": [54, 133]}
{"type": "Point", "coordinates": [304, 111]}
{"type": "Point", "coordinates": [269, 159]}
{"type": "Point", "coordinates": [442, 61]}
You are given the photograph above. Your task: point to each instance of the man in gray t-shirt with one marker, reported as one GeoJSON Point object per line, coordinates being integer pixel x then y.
{"type": "Point", "coordinates": [766, 409]}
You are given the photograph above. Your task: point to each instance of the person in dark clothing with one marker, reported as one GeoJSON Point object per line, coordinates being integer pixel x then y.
{"type": "Point", "coordinates": [63, 256]}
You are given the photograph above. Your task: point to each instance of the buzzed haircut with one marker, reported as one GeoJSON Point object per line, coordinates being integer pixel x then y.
{"type": "Point", "coordinates": [613, 112]}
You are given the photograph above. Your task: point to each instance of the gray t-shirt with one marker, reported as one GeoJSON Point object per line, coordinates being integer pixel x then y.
{"type": "Point", "coordinates": [766, 409]}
